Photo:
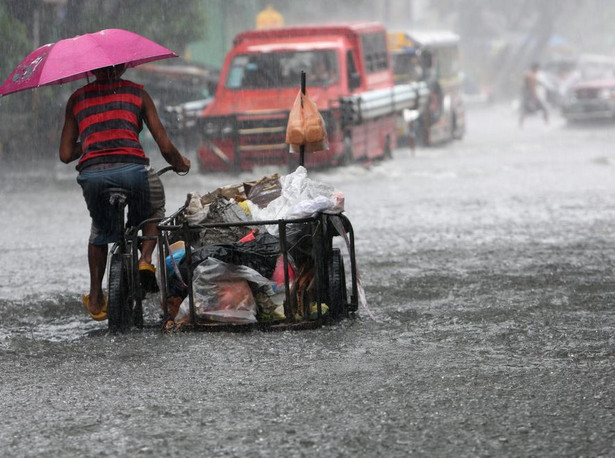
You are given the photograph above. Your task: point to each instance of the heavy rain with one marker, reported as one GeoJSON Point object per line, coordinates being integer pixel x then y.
{"type": "Point", "coordinates": [480, 197]}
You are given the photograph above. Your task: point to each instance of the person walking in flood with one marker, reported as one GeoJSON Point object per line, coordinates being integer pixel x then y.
{"type": "Point", "coordinates": [530, 101]}
{"type": "Point", "coordinates": [101, 128]}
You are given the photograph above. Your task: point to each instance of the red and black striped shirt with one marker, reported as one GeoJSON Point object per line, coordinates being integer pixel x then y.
{"type": "Point", "coordinates": [108, 114]}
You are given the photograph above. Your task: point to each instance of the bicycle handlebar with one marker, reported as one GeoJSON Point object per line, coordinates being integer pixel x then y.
{"type": "Point", "coordinates": [167, 168]}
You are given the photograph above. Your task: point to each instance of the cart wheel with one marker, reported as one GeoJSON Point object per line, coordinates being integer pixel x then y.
{"type": "Point", "coordinates": [118, 309]}
{"type": "Point", "coordinates": [338, 298]}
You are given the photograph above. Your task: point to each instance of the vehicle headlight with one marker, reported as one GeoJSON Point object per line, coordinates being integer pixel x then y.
{"type": "Point", "coordinates": [211, 128]}
{"type": "Point", "coordinates": [218, 127]}
{"type": "Point", "coordinates": [226, 129]}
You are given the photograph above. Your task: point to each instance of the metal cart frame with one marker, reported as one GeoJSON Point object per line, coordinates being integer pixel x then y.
{"type": "Point", "coordinates": [330, 285]}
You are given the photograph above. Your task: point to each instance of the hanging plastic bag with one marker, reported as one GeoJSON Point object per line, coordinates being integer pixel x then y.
{"type": "Point", "coordinates": [306, 126]}
{"type": "Point", "coordinates": [314, 123]}
{"type": "Point", "coordinates": [295, 130]}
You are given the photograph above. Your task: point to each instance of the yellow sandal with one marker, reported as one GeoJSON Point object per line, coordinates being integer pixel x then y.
{"type": "Point", "coordinates": [100, 316]}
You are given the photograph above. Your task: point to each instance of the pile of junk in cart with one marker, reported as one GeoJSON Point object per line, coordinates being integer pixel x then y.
{"type": "Point", "coordinates": [276, 253]}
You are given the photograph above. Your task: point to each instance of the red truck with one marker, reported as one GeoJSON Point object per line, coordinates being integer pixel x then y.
{"type": "Point", "coordinates": [349, 77]}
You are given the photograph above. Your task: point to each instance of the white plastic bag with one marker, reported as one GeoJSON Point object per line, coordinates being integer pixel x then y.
{"type": "Point", "coordinates": [300, 197]}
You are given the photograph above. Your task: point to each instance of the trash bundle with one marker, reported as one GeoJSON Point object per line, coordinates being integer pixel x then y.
{"type": "Point", "coordinates": [238, 271]}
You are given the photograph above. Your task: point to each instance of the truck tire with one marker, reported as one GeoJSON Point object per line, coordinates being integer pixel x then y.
{"type": "Point", "coordinates": [386, 150]}
{"type": "Point", "coordinates": [347, 156]}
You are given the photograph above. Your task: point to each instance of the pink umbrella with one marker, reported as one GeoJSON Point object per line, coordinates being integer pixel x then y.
{"type": "Point", "coordinates": [75, 58]}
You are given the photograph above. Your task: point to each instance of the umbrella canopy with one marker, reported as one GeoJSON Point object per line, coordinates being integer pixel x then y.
{"type": "Point", "coordinates": [75, 58]}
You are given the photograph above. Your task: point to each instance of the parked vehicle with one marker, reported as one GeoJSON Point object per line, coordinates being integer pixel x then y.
{"type": "Point", "coordinates": [432, 57]}
{"type": "Point", "coordinates": [590, 90]}
{"type": "Point", "coordinates": [182, 90]}
{"type": "Point", "coordinates": [349, 77]}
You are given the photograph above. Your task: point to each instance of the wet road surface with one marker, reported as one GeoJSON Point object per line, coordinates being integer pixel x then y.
{"type": "Point", "coordinates": [488, 270]}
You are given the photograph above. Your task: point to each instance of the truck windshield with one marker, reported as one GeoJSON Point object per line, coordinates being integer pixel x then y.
{"type": "Point", "coordinates": [282, 69]}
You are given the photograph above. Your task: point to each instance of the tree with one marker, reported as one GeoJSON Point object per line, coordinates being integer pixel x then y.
{"type": "Point", "coordinates": [13, 34]}
{"type": "Point", "coordinates": [172, 23]}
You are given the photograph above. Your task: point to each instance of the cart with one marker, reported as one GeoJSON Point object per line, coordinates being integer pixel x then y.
{"type": "Point", "coordinates": [255, 272]}
{"type": "Point", "coordinates": [311, 252]}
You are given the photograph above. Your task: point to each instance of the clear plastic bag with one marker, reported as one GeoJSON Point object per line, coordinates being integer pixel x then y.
{"type": "Point", "coordinates": [222, 293]}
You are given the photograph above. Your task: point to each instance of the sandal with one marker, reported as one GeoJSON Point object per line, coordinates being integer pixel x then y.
{"type": "Point", "coordinates": [147, 277]}
{"type": "Point", "coordinates": [100, 316]}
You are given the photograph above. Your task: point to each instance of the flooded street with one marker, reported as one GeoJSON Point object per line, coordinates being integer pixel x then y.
{"type": "Point", "coordinates": [490, 329]}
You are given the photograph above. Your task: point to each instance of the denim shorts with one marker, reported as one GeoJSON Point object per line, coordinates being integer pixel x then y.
{"type": "Point", "coordinates": [145, 197]}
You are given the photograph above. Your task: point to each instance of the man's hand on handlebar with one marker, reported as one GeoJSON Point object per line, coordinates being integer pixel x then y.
{"type": "Point", "coordinates": [184, 167]}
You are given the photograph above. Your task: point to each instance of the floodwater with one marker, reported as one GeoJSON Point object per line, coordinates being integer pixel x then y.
{"type": "Point", "coordinates": [489, 328]}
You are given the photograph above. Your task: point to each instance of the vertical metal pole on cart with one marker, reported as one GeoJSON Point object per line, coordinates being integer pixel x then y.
{"type": "Point", "coordinates": [288, 306]}
{"type": "Point", "coordinates": [302, 146]}
{"type": "Point", "coordinates": [186, 232]}
{"type": "Point", "coordinates": [162, 254]}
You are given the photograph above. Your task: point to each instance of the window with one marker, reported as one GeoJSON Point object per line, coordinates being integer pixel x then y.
{"type": "Point", "coordinates": [282, 69]}
{"type": "Point", "coordinates": [447, 60]}
{"type": "Point", "coordinates": [375, 52]}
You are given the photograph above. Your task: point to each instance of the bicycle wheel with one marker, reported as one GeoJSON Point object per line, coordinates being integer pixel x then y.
{"type": "Point", "coordinates": [119, 311]}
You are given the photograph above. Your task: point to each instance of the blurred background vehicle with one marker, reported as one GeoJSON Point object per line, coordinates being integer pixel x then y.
{"type": "Point", "coordinates": [182, 90]}
{"type": "Point", "coordinates": [432, 57]}
{"type": "Point", "coordinates": [588, 91]}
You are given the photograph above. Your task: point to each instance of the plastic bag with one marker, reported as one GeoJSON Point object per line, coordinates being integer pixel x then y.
{"type": "Point", "coordinates": [300, 197]}
{"type": "Point", "coordinates": [222, 300]}
{"type": "Point", "coordinates": [263, 191]}
{"type": "Point", "coordinates": [295, 130]}
{"type": "Point", "coordinates": [222, 210]}
{"type": "Point", "coordinates": [314, 123]}
{"type": "Point", "coordinates": [306, 126]}
{"type": "Point", "coordinates": [195, 211]}
{"type": "Point", "coordinates": [222, 293]}
{"type": "Point", "coordinates": [278, 274]}
{"type": "Point", "coordinates": [259, 254]}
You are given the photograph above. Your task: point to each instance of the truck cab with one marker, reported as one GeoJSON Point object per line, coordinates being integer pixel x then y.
{"type": "Point", "coordinates": [348, 75]}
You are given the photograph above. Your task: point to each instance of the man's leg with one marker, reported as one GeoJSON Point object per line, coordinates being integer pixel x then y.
{"type": "Point", "coordinates": [97, 260]}
{"type": "Point", "coordinates": [156, 204]}
{"type": "Point", "coordinates": [147, 247]}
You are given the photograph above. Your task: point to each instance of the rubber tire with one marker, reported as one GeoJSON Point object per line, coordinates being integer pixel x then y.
{"type": "Point", "coordinates": [436, 102]}
{"type": "Point", "coordinates": [338, 296]}
{"type": "Point", "coordinates": [386, 151]}
{"type": "Point", "coordinates": [347, 156]}
{"type": "Point", "coordinates": [119, 313]}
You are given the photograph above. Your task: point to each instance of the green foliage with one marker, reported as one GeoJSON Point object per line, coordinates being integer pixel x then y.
{"type": "Point", "coordinates": [14, 34]}
{"type": "Point", "coordinates": [172, 23]}
{"type": "Point", "coordinates": [16, 45]}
